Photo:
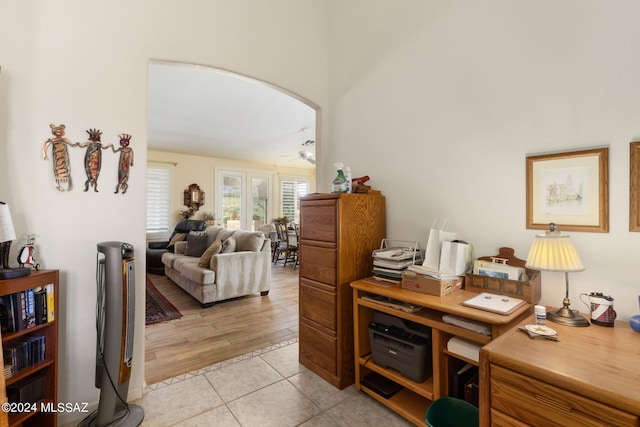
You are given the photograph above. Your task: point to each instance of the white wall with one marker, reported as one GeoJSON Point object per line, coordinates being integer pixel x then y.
{"type": "Point", "coordinates": [441, 101]}
{"type": "Point", "coordinates": [84, 64]}
{"type": "Point", "coordinates": [201, 170]}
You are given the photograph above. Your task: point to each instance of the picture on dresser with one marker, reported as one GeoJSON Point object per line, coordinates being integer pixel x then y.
{"type": "Point", "coordinates": [570, 189]}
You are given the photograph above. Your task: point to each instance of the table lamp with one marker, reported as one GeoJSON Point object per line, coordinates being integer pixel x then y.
{"type": "Point", "coordinates": [7, 235]}
{"type": "Point", "coordinates": [553, 251]}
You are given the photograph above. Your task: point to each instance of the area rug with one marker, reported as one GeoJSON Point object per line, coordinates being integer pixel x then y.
{"type": "Point", "coordinates": [158, 308]}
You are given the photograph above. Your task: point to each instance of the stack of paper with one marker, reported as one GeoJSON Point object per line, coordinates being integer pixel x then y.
{"type": "Point", "coordinates": [464, 348]}
{"type": "Point", "coordinates": [390, 261]}
{"type": "Point", "coordinates": [471, 325]}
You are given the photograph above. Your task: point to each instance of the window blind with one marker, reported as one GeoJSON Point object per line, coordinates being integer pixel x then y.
{"type": "Point", "coordinates": [291, 189]}
{"type": "Point", "coordinates": [158, 198]}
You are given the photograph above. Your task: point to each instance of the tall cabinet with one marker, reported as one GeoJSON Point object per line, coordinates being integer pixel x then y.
{"type": "Point", "coordinates": [338, 233]}
{"type": "Point", "coordinates": [34, 379]}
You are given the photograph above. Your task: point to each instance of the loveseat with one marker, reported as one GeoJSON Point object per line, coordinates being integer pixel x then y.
{"type": "Point", "coordinates": [219, 263]}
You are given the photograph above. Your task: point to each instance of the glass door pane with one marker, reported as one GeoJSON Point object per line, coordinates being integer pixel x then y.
{"type": "Point", "coordinates": [243, 200]}
{"type": "Point", "coordinates": [232, 191]}
{"type": "Point", "coordinates": [259, 201]}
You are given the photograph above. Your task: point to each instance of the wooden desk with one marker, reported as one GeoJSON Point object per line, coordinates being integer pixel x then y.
{"type": "Point", "coordinates": [591, 377]}
{"type": "Point", "coordinates": [413, 400]}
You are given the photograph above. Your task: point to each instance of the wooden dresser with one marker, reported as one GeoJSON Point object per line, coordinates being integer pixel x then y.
{"type": "Point", "coordinates": [338, 233]}
{"type": "Point", "coordinates": [591, 377]}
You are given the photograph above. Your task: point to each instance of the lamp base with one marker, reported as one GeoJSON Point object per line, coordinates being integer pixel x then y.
{"type": "Point", "coordinates": [566, 316]}
{"type": "Point", "coordinates": [14, 273]}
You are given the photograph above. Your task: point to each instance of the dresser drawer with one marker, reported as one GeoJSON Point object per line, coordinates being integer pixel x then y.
{"type": "Point", "coordinates": [318, 347]}
{"type": "Point", "coordinates": [319, 220]}
{"type": "Point", "coordinates": [318, 263]}
{"type": "Point", "coordinates": [318, 303]}
{"type": "Point", "coordinates": [538, 403]}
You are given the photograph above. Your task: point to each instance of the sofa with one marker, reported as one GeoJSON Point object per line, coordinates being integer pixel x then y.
{"type": "Point", "coordinates": [220, 263]}
{"type": "Point", "coordinates": [157, 248]}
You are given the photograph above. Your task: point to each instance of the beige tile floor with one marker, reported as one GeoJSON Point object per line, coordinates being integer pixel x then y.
{"type": "Point", "coordinates": [265, 388]}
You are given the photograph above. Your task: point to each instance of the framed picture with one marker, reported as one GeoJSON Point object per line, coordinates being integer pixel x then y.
{"type": "Point", "coordinates": [570, 189]}
{"type": "Point", "coordinates": [634, 187]}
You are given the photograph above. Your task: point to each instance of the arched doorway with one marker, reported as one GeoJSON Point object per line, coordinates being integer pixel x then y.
{"type": "Point", "coordinates": [193, 110]}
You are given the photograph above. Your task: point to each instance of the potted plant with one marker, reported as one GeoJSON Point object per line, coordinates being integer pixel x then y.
{"type": "Point", "coordinates": [186, 214]}
{"type": "Point", "coordinates": [209, 218]}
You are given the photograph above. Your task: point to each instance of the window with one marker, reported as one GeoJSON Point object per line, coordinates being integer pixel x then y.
{"type": "Point", "coordinates": [158, 198]}
{"type": "Point", "coordinates": [291, 189]}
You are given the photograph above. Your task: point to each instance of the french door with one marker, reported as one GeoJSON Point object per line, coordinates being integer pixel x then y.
{"type": "Point", "coordinates": [243, 199]}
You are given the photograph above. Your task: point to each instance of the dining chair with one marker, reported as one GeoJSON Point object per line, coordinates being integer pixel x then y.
{"type": "Point", "coordinates": [291, 253]}
{"type": "Point", "coordinates": [281, 245]}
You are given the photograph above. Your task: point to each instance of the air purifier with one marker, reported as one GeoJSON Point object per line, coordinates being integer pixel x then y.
{"type": "Point", "coordinates": [115, 316]}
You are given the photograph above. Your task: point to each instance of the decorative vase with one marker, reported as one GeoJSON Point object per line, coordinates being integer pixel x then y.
{"type": "Point", "coordinates": [634, 322]}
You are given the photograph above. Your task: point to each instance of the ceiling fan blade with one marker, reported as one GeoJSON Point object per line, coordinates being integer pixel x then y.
{"type": "Point", "coordinates": [311, 160]}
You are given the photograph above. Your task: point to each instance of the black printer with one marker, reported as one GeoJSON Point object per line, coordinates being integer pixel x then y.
{"type": "Point", "coordinates": [401, 345]}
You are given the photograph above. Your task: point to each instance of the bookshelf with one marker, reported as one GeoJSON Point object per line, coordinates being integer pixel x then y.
{"type": "Point", "coordinates": [38, 365]}
{"type": "Point", "coordinates": [412, 401]}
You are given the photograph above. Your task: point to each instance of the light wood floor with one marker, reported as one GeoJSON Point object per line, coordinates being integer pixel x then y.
{"type": "Point", "coordinates": [204, 336]}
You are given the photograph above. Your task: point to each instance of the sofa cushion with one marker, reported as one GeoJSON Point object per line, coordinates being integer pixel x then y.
{"type": "Point", "coordinates": [229, 245]}
{"type": "Point", "coordinates": [225, 233]}
{"type": "Point", "coordinates": [196, 243]}
{"type": "Point", "coordinates": [249, 240]}
{"type": "Point", "coordinates": [188, 268]}
{"type": "Point", "coordinates": [213, 249]}
{"type": "Point", "coordinates": [212, 231]}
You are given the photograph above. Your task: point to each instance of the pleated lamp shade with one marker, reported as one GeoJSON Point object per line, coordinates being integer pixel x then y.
{"type": "Point", "coordinates": [7, 233]}
{"type": "Point", "coordinates": [553, 251]}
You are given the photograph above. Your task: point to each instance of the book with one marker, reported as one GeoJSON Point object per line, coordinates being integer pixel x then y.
{"type": "Point", "coordinates": [7, 320]}
{"type": "Point", "coordinates": [40, 296]}
{"type": "Point", "coordinates": [459, 378]}
{"type": "Point", "coordinates": [50, 302]}
{"type": "Point", "coordinates": [495, 269]}
{"type": "Point", "coordinates": [19, 310]}
{"type": "Point", "coordinates": [472, 391]}
{"type": "Point", "coordinates": [30, 307]}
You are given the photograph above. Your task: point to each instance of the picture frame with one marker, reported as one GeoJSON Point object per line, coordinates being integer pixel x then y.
{"type": "Point", "coordinates": [634, 186]}
{"type": "Point", "coordinates": [570, 189]}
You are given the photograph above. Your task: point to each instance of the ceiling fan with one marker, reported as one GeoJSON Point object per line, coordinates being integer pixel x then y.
{"type": "Point", "coordinates": [305, 154]}
{"type": "Point", "coordinates": [302, 155]}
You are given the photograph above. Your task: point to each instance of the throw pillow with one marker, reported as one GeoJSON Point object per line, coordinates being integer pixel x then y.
{"type": "Point", "coordinates": [212, 250]}
{"type": "Point", "coordinates": [249, 240]}
{"type": "Point", "coordinates": [178, 237]}
{"type": "Point", "coordinates": [229, 245]}
{"type": "Point", "coordinates": [196, 243]}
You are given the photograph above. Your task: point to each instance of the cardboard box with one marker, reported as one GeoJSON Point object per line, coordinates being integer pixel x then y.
{"type": "Point", "coordinates": [430, 285]}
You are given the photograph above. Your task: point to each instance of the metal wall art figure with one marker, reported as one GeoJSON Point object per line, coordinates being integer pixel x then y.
{"type": "Point", "coordinates": [60, 154]}
{"type": "Point", "coordinates": [93, 158]}
{"type": "Point", "coordinates": [125, 162]}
